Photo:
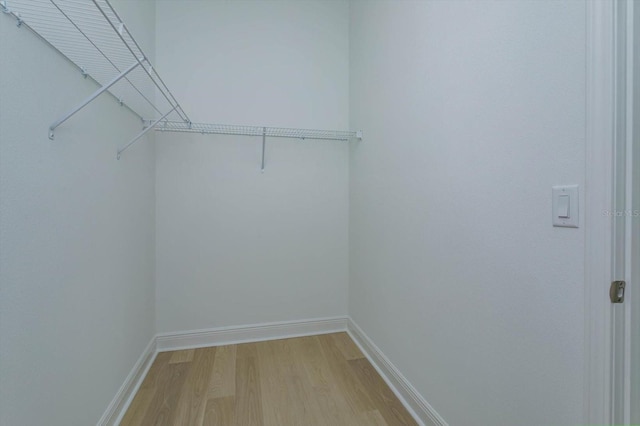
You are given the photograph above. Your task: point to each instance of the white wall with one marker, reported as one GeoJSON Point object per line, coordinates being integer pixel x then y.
{"type": "Point", "coordinates": [76, 238]}
{"type": "Point", "coordinates": [471, 112]}
{"type": "Point", "coordinates": [235, 246]}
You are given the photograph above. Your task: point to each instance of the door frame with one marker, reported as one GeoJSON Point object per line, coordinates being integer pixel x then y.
{"type": "Point", "coordinates": [599, 179]}
{"type": "Point", "coordinates": [608, 129]}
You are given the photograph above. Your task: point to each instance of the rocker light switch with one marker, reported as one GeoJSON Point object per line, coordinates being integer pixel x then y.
{"type": "Point", "coordinates": [565, 206]}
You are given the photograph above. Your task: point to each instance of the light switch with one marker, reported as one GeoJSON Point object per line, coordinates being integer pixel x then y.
{"type": "Point", "coordinates": [565, 206]}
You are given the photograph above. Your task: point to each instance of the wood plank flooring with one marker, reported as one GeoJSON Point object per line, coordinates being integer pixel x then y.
{"type": "Point", "coordinates": [306, 381]}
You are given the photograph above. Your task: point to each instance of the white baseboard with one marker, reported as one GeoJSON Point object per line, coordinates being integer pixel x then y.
{"type": "Point", "coordinates": [408, 395]}
{"type": "Point", "coordinates": [248, 333]}
{"type": "Point", "coordinates": [118, 406]}
{"type": "Point", "coordinates": [421, 410]}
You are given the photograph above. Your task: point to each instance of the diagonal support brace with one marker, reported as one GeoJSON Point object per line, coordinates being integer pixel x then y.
{"type": "Point", "coordinates": [144, 132]}
{"type": "Point", "coordinates": [91, 98]}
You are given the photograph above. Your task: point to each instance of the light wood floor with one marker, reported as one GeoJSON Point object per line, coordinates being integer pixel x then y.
{"type": "Point", "coordinates": [306, 381]}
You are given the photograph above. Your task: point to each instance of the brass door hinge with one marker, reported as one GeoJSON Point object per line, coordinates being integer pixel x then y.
{"type": "Point", "coordinates": [616, 292]}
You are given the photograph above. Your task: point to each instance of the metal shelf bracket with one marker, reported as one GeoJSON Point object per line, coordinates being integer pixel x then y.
{"type": "Point", "coordinates": [264, 143]}
{"type": "Point", "coordinates": [143, 132]}
{"type": "Point", "coordinates": [97, 93]}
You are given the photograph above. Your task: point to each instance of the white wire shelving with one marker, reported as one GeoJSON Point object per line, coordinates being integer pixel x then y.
{"type": "Point", "coordinates": [91, 35]}
{"type": "Point", "coordinates": [279, 132]}
{"type": "Point", "coordinates": [264, 132]}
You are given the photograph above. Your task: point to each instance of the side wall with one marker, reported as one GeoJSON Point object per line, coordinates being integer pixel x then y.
{"type": "Point", "coordinates": [76, 236]}
{"type": "Point", "coordinates": [471, 112]}
{"type": "Point", "coordinates": [235, 246]}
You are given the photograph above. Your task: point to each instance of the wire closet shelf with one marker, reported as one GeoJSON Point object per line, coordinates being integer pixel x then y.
{"type": "Point", "coordinates": [91, 35]}
{"type": "Point", "coordinates": [279, 132]}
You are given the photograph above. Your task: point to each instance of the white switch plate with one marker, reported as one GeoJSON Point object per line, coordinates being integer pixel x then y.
{"type": "Point", "coordinates": [558, 207]}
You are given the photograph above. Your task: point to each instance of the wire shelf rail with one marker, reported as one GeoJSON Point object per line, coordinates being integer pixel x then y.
{"type": "Point", "coordinates": [264, 132]}
{"type": "Point", "coordinates": [91, 35]}
{"type": "Point", "coordinates": [279, 132]}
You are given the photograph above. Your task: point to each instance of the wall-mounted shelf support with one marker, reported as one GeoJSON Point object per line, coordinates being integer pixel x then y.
{"type": "Point", "coordinates": [97, 93]}
{"type": "Point", "coordinates": [264, 144]}
{"type": "Point", "coordinates": [142, 133]}
{"type": "Point", "coordinates": [5, 9]}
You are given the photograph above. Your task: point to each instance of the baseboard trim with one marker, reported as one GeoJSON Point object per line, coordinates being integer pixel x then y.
{"type": "Point", "coordinates": [248, 333]}
{"type": "Point", "coordinates": [421, 410]}
{"type": "Point", "coordinates": [118, 406]}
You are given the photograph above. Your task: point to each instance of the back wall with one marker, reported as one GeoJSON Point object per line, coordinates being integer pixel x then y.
{"type": "Point", "coordinates": [236, 246]}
